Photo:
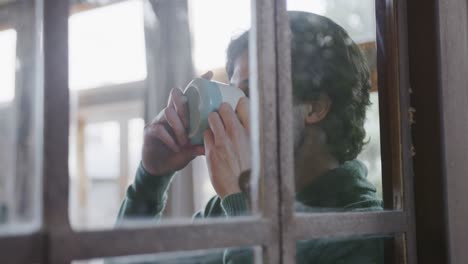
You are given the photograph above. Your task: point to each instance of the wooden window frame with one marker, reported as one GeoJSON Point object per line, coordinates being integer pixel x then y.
{"type": "Point", "coordinates": [279, 228]}
{"type": "Point", "coordinates": [453, 43]}
{"type": "Point", "coordinates": [438, 41]}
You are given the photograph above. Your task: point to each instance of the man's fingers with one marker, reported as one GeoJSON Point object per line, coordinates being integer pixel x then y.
{"type": "Point", "coordinates": [243, 110]}
{"type": "Point", "coordinates": [161, 133]}
{"type": "Point", "coordinates": [179, 101]}
{"type": "Point", "coordinates": [208, 139]}
{"type": "Point", "coordinates": [228, 116]}
{"type": "Point", "coordinates": [217, 127]}
{"type": "Point", "coordinates": [208, 75]}
{"type": "Point", "coordinates": [176, 124]}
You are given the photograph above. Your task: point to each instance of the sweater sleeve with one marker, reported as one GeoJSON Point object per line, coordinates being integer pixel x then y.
{"type": "Point", "coordinates": [146, 197]}
{"type": "Point", "coordinates": [237, 205]}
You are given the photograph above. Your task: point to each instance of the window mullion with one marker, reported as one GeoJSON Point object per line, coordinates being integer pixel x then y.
{"type": "Point", "coordinates": [349, 224]}
{"type": "Point", "coordinates": [70, 245]}
{"type": "Point", "coordinates": [407, 172]}
{"type": "Point", "coordinates": [263, 92]}
{"type": "Point", "coordinates": [25, 248]}
{"type": "Point", "coordinates": [56, 116]}
{"type": "Point", "coordinates": [285, 133]}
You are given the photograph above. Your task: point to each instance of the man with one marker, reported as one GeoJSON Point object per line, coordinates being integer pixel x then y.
{"type": "Point", "coordinates": [331, 93]}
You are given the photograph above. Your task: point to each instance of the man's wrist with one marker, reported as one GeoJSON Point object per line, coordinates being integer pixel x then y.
{"type": "Point", "coordinates": [231, 191]}
{"type": "Point", "coordinates": [242, 185]}
{"type": "Point", "coordinates": [146, 168]}
{"type": "Point", "coordinates": [150, 171]}
{"type": "Point", "coordinates": [147, 187]}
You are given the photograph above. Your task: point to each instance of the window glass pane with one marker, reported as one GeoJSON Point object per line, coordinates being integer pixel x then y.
{"type": "Point", "coordinates": [107, 51]}
{"type": "Point", "coordinates": [108, 124]}
{"type": "Point", "coordinates": [214, 256]}
{"type": "Point", "coordinates": [336, 125]}
{"type": "Point", "coordinates": [375, 249]}
{"type": "Point", "coordinates": [21, 117]}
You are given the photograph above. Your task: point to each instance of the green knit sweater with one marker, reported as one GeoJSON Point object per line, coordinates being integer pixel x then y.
{"type": "Point", "coordinates": [342, 189]}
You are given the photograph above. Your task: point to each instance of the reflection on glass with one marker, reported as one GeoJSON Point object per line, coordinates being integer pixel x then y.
{"type": "Point", "coordinates": [210, 256]}
{"type": "Point", "coordinates": [336, 118]}
{"type": "Point", "coordinates": [191, 164]}
{"type": "Point", "coordinates": [21, 93]}
{"type": "Point", "coordinates": [363, 249]}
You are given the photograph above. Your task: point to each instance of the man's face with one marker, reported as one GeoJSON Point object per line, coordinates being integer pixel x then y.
{"type": "Point", "coordinates": [240, 76]}
{"type": "Point", "coordinates": [240, 79]}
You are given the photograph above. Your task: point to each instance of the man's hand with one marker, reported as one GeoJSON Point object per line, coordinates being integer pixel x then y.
{"type": "Point", "coordinates": [166, 147]}
{"type": "Point", "coordinates": [227, 146]}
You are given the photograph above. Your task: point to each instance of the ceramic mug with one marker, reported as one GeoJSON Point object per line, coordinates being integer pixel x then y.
{"type": "Point", "coordinates": [203, 97]}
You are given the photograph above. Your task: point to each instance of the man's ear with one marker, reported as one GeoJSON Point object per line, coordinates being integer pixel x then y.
{"type": "Point", "coordinates": [317, 110]}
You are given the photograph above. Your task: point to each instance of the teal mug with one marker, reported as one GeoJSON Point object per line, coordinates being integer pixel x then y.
{"type": "Point", "coordinates": [203, 97]}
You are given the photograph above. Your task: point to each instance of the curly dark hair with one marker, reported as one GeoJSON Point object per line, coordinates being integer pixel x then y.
{"type": "Point", "coordinates": [325, 60]}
